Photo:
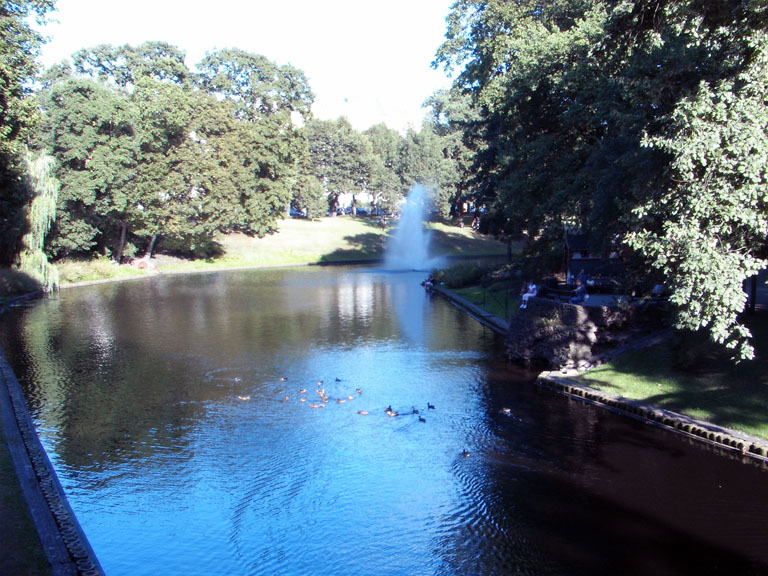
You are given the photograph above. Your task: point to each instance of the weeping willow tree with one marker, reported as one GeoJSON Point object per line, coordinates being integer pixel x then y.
{"type": "Point", "coordinates": [44, 190]}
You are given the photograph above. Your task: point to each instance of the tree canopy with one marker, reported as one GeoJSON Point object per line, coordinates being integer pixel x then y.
{"type": "Point", "coordinates": [596, 114]}
{"type": "Point", "coordinates": [19, 46]}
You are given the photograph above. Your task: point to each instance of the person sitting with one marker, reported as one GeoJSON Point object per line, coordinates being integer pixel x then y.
{"type": "Point", "coordinates": [581, 293]}
{"type": "Point", "coordinates": [527, 295]}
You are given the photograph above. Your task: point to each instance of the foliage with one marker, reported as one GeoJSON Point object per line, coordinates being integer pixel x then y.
{"type": "Point", "coordinates": [707, 229]}
{"type": "Point", "coordinates": [580, 108]}
{"type": "Point", "coordinates": [342, 158]}
{"type": "Point", "coordinates": [385, 185]}
{"type": "Point", "coordinates": [44, 189]}
{"type": "Point", "coordinates": [19, 46]}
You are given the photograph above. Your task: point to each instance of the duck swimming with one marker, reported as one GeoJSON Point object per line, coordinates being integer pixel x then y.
{"type": "Point", "coordinates": [430, 406]}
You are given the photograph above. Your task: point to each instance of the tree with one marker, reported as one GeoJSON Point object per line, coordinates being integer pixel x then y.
{"type": "Point", "coordinates": [273, 101]}
{"type": "Point", "coordinates": [385, 186]}
{"type": "Point", "coordinates": [342, 158]}
{"type": "Point", "coordinates": [569, 95]}
{"type": "Point", "coordinates": [424, 162]}
{"type": "Point", "coordinates": [90, 129]}
{"type": "Point", "coordinates": [41, 213]}
{"type": "Point", "coordinates": [19, 46]}
{"type": "Point", "coordinates": [707, 229]}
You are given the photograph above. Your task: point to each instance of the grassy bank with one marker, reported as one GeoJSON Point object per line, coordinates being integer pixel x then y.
{"type": "Point", "coordinates": [297, 241]}
{"type": "Point", "coordinates": [694, 377]}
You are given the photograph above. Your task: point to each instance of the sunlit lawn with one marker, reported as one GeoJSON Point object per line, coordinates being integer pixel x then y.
{"type": "Point", "coordinates": [297, 241]}
{"type": "Point", "coordinates": [709, 386]}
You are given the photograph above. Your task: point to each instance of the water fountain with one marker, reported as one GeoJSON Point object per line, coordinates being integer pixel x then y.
{"type": "Point", "coordinates": [409, 247]}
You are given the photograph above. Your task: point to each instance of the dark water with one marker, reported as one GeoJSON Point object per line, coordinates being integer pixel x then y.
{"type": "Point", "coordinates": [136, 390]}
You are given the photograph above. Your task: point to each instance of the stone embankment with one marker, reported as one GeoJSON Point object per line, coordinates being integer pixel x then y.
{"type": "Point", "coordinates": [569, 339]}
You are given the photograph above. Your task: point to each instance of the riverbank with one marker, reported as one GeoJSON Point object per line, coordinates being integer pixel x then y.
{"type": "Point", "coordinates": [711, 400]}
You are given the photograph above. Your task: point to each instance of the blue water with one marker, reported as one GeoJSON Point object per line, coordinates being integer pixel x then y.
{"type": "Point", "coordinates": [172, 410]}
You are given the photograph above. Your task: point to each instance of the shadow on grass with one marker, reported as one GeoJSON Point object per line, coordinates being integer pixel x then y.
{"type": "Point", "coordinates": [697, 378]}
{"type": "Point", "coordinates": [15, 283]}
{"type": "Point", "coordinates": [367, 246]}
{"type": "Point", "coordinates": [458, 244]}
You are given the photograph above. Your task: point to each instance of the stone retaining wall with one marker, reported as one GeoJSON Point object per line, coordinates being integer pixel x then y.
{"type": "Point", "coordinates": [557, 334]}
{"type": "Point", "coordinates": [63, 540]}
{"type": "Point", "coordinates": [736, 444]}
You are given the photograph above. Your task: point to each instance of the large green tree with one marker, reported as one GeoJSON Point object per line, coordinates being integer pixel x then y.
{"type": "Point", "coordinates": [571, 93]}
{"type": "Point", "coordinates": [89, 129]}
{"type": "Point", "coordinates": [19, 46]}
{"type": "Point", "coordinates": [386, 186]}
{"type": "Point", "coordinates": [342, 157]}
{"type": "Point", "coordinates": [708, 229]}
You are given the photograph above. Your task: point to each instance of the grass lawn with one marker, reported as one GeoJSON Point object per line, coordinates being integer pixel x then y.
{"type": "Point", "coordinates": [297, 241]}
{"type": "Point", "coordinates": [697, 379]}
{"type": "Point", "coordinates": [499, 300]}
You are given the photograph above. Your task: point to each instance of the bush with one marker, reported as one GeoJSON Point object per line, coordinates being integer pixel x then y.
{"type": "Point", "coordinates": [464, 274]}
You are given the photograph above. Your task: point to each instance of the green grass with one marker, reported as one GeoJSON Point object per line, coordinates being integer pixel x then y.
{"type": "Point", "coordinates": [695, 378]}
{"type": "Point", "coordinates": [297, 241]}
{"type": "Point", "coordinates": [496, 299]}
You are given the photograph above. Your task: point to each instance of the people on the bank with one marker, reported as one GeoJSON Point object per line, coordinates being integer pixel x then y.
{"type": "Point", "coordinates": [429, 282]}
{"type": "Point", "coordinates": [529, 293]}
{"type": "Point", "coordinates": [581, 293]}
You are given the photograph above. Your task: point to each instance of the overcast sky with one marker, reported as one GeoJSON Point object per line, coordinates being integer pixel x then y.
{"type": "Point", "coordinates": [368, 61]}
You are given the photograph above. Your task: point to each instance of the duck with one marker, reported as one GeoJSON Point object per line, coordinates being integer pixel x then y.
{"type": "Point", "coordinates": [303, 391]}
{"type": "Point", "coordinates": [340, 400]}
{"type": "Point", "coordinates": [283, 379]}
{"type": "Point", "coordinates": [244, 398]}
{"type": "Point", "coordinates": [465, 453]}
{"type": "Point", "coordinates": [422, 419]}
{"type": "Point", "coordinates": [317, 405]}
{"type": "Point", "coordinates": [388, 408]}
{"type": "Point", "coordinates": [392, 414]}
{"type": "Point", "coordinates": [359, 390]}
{"type": "Point", "coordinates": [303, 399]}
{"type": "Point", "coordinates": [350, 397]}
{"type": "Point", "coordinates": [363, 412]}
{"type": "Point", "coordinates": [430, 406]}
{"type": "Point", "coordinates": [287, 398]}
{"type": "Point", "coordinates": [506, 411]}
{"type": "Point", "coordinates": [338, 379]}
{"type": "Point", "coordinates": [415, 410]}
{"type": "Point", "coordinates": [319, 382]}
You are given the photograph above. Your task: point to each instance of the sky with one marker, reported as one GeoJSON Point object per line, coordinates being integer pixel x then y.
{"type": "Point", "coordinates": [368, 61]}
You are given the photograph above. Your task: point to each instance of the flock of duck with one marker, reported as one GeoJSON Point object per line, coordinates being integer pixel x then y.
{"type": "Point", "coordinates": [323, 399]}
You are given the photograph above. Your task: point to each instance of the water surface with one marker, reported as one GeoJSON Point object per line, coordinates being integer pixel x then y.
{"type": "Point", "coordinates": [172, 411]}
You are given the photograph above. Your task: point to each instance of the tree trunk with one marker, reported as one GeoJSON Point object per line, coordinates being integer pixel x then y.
{"type": "Point", "coordinates": [150, 247]}
{"type": "Point", "coordinates": [121, 246]}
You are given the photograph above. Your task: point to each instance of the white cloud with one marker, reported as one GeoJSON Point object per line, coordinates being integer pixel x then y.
{"type": "Point", "coordinates": [367, 61]}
